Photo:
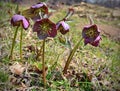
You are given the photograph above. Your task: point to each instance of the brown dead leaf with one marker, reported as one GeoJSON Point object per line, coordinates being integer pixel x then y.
{"type": "Point", "coordinates": [17, 68]}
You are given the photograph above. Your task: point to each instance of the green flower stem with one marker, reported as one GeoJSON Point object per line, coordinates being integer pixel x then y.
{"type": "Point", "coordinates": [71, 56]}
{"type": "Point", "coordinates": [13, 43]}
{"type": "Point", "coordinates": [43, 64]}
{"type": "Point", "coordinates": [91, 21]}
{"type": "Point", "coordinates": [21, 44]}
{"type": "Point", "coordinates": [69, 14]}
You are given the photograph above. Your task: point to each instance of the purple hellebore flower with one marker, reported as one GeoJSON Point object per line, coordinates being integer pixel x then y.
{"type": "Point", "coordinates": [17, 20]}
{"type": "Point", "coordinates": [63, 27]}
{"type": "Point", "coordinates": [91, 35]}
{"type": "Point", "coordinates": [40, 6]}
{"type": "Point", "coordinates": [33, 11]}
{"type": "Point", "coordinates": [45, 28]}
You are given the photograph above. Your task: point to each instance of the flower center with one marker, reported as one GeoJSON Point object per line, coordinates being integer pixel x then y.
{"type": "Point", "coordinates": [45, 28]}
{"type": "Point", "coordinates": [91, 33]}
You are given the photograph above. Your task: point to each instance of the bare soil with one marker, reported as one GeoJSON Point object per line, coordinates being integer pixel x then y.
{"type": "Point", "coordinates": [111, 31]}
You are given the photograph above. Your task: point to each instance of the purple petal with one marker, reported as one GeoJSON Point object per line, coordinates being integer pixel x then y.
{"type": "Point", "coordinates": [42, 35]}
{"type": "Point", "coordinates": [40, 5]}
{"type": "Point", "coordinates": [86, 41]}
{"type": "Point", "coordinates": [63, 27]}
{"type": "Point", "coordinates": [98, 38]}
{"type": "Point", "coordinates": [17, 20]}
{"type": "Point", "coordinates": [94, 43]}
{"type": "Point", "coordinates": [54, 31]}
{"type": "Point", "coordinates": [25, 23]}
{"type": "Point", "coordinates": [37, 5]}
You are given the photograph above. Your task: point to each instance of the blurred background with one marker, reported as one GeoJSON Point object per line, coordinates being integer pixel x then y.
{"type": "Point", "coordinates": [106, 3]}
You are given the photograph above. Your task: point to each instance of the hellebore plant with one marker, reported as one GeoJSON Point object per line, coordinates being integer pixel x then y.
{"type": "Point", "coordinates": [18, 20]}
{"type": "Point", "coordinates": [44, 28]}
{"type": "Point", "coordinates": [62, 26]}
{"type": "Point", "coordinates": [91, 35]}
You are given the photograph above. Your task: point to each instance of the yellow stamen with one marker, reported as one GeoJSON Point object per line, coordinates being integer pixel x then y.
{"type": "Point", "coordinates": [91, 33]}
{"type": "Point", "coordinates": [45, 28]}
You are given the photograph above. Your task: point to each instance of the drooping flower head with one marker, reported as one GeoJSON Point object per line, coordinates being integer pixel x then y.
{"type": "Point", "coordinates": [18, 20]}
{"type": "Point", "coordinates": [33, 11]}
{"type": "Point", "coordinates": [40, 7]}
{"type": "Point", "coordinates": [45, 28]}
{"type": "Point", "coordinates": [91, 35]}
{"type": "Point", "coordinates": [63, 27]}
